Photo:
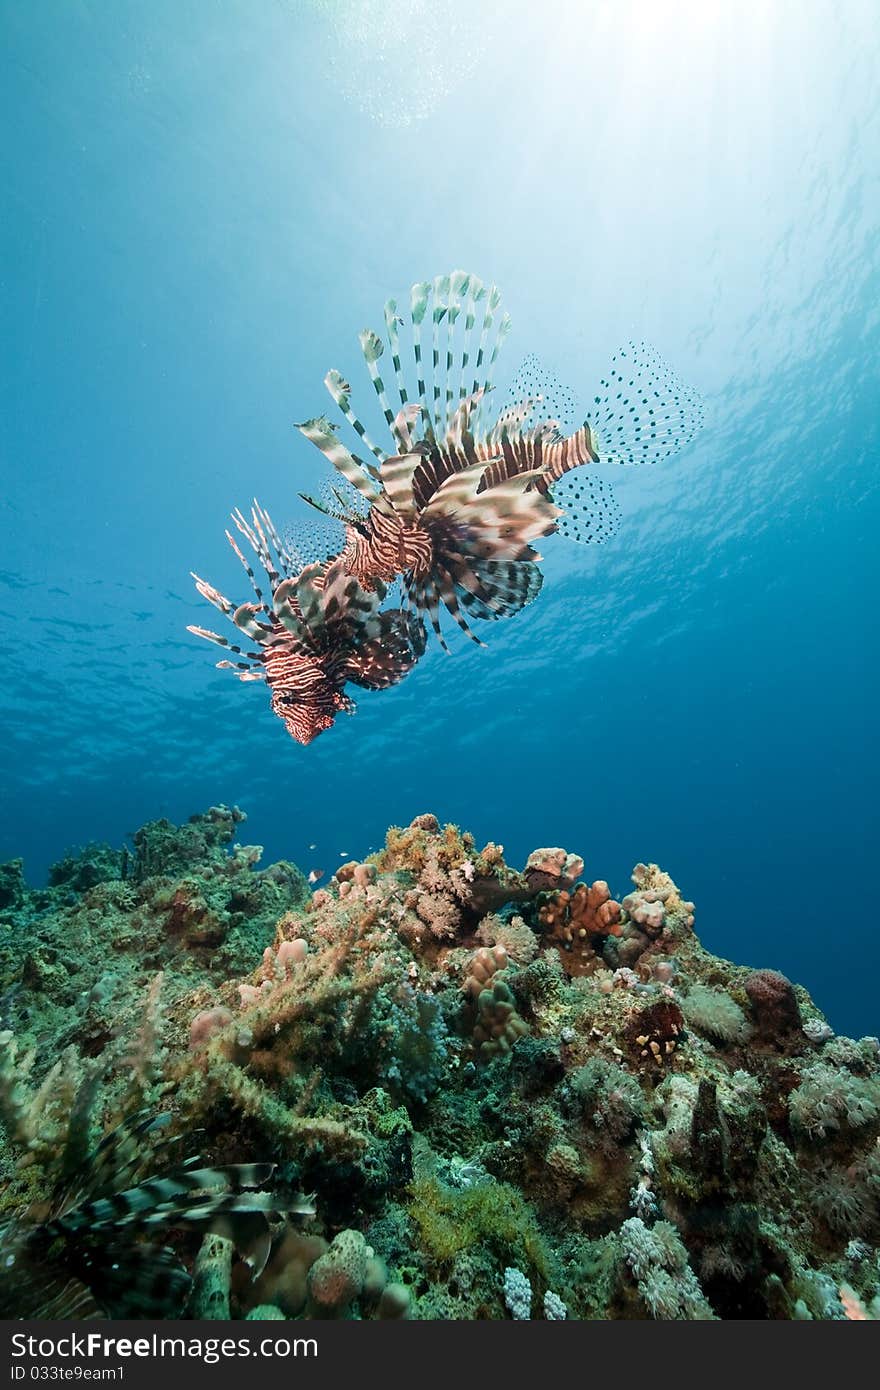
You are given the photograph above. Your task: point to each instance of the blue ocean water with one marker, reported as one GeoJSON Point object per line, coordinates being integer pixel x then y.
{"type": "Point", "coordinates": [203, 203]}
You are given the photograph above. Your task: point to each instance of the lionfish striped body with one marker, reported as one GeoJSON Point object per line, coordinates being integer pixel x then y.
{"type": "Point", "coordinates": [317, 630]}
{"type": "Point", "coordinates": [454, 508]}
{"type": "Point", "coordinates": [90, 1254]}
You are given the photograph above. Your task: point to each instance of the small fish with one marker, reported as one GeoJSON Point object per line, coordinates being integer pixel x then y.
{"type": "Point", "coordinates": [315, 875]}
{"type": "Point", "coordinates": [313, 846]}
{"type": "Point", "coordinates": [343, 854]}
{"type": "Point", "coordinates": [315, 631]}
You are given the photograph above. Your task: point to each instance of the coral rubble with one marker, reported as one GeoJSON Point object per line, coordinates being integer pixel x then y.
{"type": "Point", "coordinates": [512, 1094]}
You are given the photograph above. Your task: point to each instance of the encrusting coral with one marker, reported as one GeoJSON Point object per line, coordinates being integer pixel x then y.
{"type": "Point", "coordinates": [511, 1093]}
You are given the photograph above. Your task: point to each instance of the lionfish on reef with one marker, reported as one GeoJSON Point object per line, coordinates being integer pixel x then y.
{"type": "Point", "coordinates": [91, 1252]}
{"type": "Point", "coordinates": [452, 510]}
{"type": "Point", "coordinates": [315, 631]}
{"type": "Point", "coordinates": [449, 513]}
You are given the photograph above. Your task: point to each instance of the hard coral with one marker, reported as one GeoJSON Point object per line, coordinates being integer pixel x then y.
{"type": "Point", "coordinates": [572, 920]}
{"type": "Point", "coordinates": [774, 1004]}
{"type": "Point", "coordinates": [498, 1024]}
{"type": "Point", "coordinates": [552, 869]}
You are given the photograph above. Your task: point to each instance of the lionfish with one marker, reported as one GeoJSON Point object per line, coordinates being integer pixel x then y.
{"type": "Point", "coordinates": [452, 510]}
{"type": "Point", "coordinates": [88, 1252]}
{"type": "Point", "coordinates": [316, 630]}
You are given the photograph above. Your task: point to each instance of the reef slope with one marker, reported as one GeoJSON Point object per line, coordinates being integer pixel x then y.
{"type": "Point", "coordinates": [511, 1094]}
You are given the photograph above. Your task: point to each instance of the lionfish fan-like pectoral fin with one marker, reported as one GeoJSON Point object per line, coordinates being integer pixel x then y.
{"type": "Point", "coordinates": [340, 390]}
{"type": "Point", "coordinates": [346, 607]}
{"type": "Point", "coordinates": [214, 596]}
{"type": "Point", "coordinates": [590, 512]}
{"type": "Point", "coordinates": [404, 420]}
{"type": "Point", "coordinates": [493, 589]}
{"type": "Point", "coordinates": [447, 589]}
{"type": "Point", "coordinates": [249, 657]}
{"type": "Point", "coordinates": [502, 587]}
{"type": "Point", "coordinates": [246, 620]}
{"type": "Point", "coordinates": [285, 604]}
{"type": "Point", "coordinates": [306, 589]}
{"type": "Point", "coordinates": [423, 596]}
{"type": "Point", "coordinates": [43, 1288]}
{"type": "Point", "coordinates": [243, 670]}
{"type": "Point", "coordinates": [456, 491]}
{"type": "Point", "coordinates": [250, 1233]}
{"type": "Point", "coordinates": [185, 1195]}
{"type": "Point", "coordinates": [136, 1281]}
{"type": "Point", "coordinates": [121, 1154]}
{"type": "Point", "coordinates": [643, 412]}
{"type": "Point", "coordinates": [383, 660]}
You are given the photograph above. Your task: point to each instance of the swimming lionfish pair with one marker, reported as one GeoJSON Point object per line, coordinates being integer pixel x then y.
{"type": "Point", "coordinates": [449, 515]}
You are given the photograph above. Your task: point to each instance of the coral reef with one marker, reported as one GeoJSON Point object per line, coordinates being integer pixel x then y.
{"type": "Point", "coordinates": [512, 1094]}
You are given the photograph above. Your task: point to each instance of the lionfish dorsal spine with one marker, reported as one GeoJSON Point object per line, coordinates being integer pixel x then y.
{"type": "Point", "coordinates": [476, 292]}
{"type": "Point", "coordinates": [372, 348]}
{"type": "Point", "coordinates": [403, 424]}
{"type": "Point", "coordinates": [285, 601]}
{"type": "Point", "coordinates": [248, 569]}
{"type": "Point", "coordinates": [288, 562]}
{"type": "Point", "coordinates": [418, 308]}
{"type": "Point", "coordinates": [394, 344]}
{"type": "Point", "coordinates": [340, 390]}
{"type": "Point", "coordinates": [439, 311]}
{"type": "Point", "coordinates": [397, 480]}
{"type": "Point", "coordinates": [493, 299]}
{"type": "Point", "coordinates": [458, 286]}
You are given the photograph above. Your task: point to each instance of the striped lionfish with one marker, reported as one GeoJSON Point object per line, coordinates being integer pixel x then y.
{"type": "Point", "coordinates": [452, 510]}
{"type": "Point", "coordinates": [317, 630]}
{"type": "Point", "coordinates": [88, 1254]}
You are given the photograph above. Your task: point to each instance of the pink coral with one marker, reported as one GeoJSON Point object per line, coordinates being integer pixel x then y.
{"type": "Point", "coordinates": [552, 868]}
{"type": "Point", "coordinates": [206, 1024]}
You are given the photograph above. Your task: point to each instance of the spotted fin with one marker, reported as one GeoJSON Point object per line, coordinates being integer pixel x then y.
{"type": "Point", "coordinates": [590, 511]}
{"type": "Point", "coordinates": [384, 659]}
{"type": "Point", "coordinates": [643, 412]}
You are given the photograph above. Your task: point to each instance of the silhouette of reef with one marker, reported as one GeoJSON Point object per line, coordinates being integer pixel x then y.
{"type": "Point", "coordinates": [511, 1094]}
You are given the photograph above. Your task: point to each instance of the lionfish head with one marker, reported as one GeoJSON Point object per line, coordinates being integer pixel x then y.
{"type": "Point", "coordinates": [303, 722]}
{"type": "Point", "coordinates": [305, 719]}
